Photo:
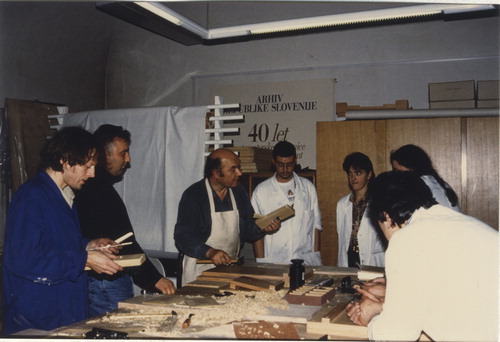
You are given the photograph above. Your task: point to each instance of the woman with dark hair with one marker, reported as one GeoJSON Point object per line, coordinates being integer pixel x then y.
{"type": "Point", "coordinates": [413, 158]}
{"type": "Point", "coordinates": [359, 241]}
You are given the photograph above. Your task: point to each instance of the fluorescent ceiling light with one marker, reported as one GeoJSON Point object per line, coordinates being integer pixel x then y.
{"type": "Point", "coordinates": [398, 13]}
{"type": "Point", "coordinates": [174, 17]}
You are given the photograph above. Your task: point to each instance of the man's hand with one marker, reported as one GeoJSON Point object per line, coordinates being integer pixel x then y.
{"type": "Point", "coordinates": [103, 263]}
{"type": "Point", "coordinates": [361, 313]}
{"type": "Point", "coordinates": [165, 286]}
{"type": "Point", "coordinates": [102, 242]}
{"type": "Point", "coordinates": [218, 257]}
{"type": "Point", "coordinates": [272, 227]}
{"type": "Point", "coordinates": [374, 290]}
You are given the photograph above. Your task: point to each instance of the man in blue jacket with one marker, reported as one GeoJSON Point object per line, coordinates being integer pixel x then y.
{"type": "Point", "coordinates": [44, 282]}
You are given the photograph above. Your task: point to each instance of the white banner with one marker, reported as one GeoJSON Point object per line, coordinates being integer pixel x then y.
{"type": "Point", "coordinates": [281, 111]}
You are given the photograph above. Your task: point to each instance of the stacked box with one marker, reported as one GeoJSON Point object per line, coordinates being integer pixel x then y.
{"type": "Point", "coordinates": [488, 94]}
{"type": "Point", "coordinates": [452, 95]}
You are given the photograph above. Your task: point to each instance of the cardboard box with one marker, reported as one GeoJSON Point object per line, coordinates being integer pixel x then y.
{"type": "Point", "coordinates": [488, 90]}
{"type": "Point", "coordinates": [488, 103]}
{"type": "Point", "coordinates": [452, 91]}
{"type": "Point", "coordinates": [453, 104]}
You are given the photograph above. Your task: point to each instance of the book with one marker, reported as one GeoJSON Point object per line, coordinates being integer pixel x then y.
{"type": "Point", "coordinates": [282, 213]}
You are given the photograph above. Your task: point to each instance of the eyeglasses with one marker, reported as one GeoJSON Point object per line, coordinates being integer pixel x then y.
{"type": "Point", "coordinates": [285, 165]}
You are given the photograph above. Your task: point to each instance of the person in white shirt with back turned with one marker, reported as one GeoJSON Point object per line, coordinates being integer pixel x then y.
{"type": "Point", "coordinates": [441, 268]}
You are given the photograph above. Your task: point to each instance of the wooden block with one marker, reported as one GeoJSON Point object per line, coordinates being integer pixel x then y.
{"type": "Point", "coordinates": [282, 213]}
{"type": "Point", "coordinates": [128, 260]}
{"type": "Point", "coordinates": [314, 296]}
{"type": "Point", "coordinates": [258, 284]}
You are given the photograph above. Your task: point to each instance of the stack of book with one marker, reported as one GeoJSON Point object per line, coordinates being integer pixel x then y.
{"type": "Point", "coordinates": [254, 159]}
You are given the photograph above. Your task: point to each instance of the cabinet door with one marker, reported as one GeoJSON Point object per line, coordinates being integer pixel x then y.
{"type": "Point", "coordinates": [441, 138]}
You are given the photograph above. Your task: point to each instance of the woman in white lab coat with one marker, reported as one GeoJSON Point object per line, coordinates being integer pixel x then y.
{"type": "Point", "coordinates": [413, 158]}
{"type": "Point", "coordinates": [360, 243]}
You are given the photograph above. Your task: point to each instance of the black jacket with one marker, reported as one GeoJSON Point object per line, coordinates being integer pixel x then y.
{"type": "Point", "coordinates": [102, 213]}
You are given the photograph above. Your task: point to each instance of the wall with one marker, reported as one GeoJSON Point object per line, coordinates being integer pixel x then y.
{"type": "Point", "coordinates": [372, 66]}
{"type": "Point", "coordinates": [54, 52]}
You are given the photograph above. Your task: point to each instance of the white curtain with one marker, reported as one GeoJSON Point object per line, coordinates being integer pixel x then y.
{"type": "Point", "coordinates": [167, 153]}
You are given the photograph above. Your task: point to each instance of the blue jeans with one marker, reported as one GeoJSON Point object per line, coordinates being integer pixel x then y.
{"type": "Point", "coordinates": [104, 295]}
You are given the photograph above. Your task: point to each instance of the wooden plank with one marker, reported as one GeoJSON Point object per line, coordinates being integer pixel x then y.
{"type": "Point", "coordinates": [249, 271]}
{"type": "Point", "coordinates": [257, 284]}
{"type": "Point", "coordinates": [216, 278]}
{"type": "Point", "coordinates": [265, 330]}
{"type": "Point", "coordinates": [336, 271]}
{"type": "Point", "coordinates": [209, 284]}
{"type": "Point", "coordinates": [282, 213]}
{"type": "Point", "coordinates": [128, 260]}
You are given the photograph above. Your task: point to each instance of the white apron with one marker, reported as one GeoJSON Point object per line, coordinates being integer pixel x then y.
{"type": "Point", "coordinates": [224, 235]}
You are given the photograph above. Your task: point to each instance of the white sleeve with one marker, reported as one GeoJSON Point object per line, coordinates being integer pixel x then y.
{"type": "Point", "coordinates": [403, 313]}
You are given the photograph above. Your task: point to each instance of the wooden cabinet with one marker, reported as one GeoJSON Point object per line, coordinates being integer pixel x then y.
{"type": "Point", "coordinates": [464, 151]}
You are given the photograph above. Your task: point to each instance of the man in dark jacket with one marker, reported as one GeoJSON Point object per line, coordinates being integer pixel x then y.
{"type": "Point", "coordinates": [44, 282]}
{"type": "Point", "coordinates": [103, 213]}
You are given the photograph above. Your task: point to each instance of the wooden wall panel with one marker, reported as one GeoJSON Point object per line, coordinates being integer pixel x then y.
{"type": "Point", "coordinates": [439, 137]}
{"type": "Point", "coordinates": [334, 141]}
{"type": "Point", "coordinates": [464, 151]}
{"type": "Point", "coordinates": [483, 169]}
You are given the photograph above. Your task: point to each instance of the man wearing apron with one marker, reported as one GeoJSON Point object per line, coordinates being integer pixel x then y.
{"type": "Point", "coordinates": [215, 216]}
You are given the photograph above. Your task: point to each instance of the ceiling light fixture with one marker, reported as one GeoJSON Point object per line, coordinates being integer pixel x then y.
{"type": "Point", "coordinates": [195, 33]}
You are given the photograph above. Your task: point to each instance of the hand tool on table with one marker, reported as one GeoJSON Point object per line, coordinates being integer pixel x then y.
{"type": "Point", "coordinates": [169, 323]}
{"type": "Point", "coordinates": [239, 261]}
{"type": "Point", "coordinates": [187, 321]}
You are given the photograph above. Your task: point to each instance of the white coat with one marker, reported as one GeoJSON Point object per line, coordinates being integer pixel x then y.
{"type": "Point", "coordinates": [295, 238]}
{"type": "Point", "coordinates": [438, 192]}
{"type": "Point", "coordinates": [371, 247]}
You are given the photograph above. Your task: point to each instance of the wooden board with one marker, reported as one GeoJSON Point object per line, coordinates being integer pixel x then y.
{"type": "Point", "coordinates": [163, 300]}
{"type": "Point", "coordinates": [257, 284]}
{"type": "Point", "coordinates": [263, 330]}
{"type": "Point", "coordinates": [333, 320]}
{"type": "Point", "coordinates": [334, 270]}
{"type": "Point", "coordinates": [249, 271]}
{"type": "Point", "coordinates": [216, 278]}
{"type": "Point", "coordinates": [282, 213]}
{"type": "Point", "coordinates": [128, 260]}
{"type": "Point", "coordinates": [209, 284]}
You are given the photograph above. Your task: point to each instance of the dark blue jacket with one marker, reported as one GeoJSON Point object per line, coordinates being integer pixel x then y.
{"type": "Point", "coordinates": [44, 283]}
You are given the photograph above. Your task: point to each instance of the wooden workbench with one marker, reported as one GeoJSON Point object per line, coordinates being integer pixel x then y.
{"type": "Point", "coordinates": [241, 314]}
